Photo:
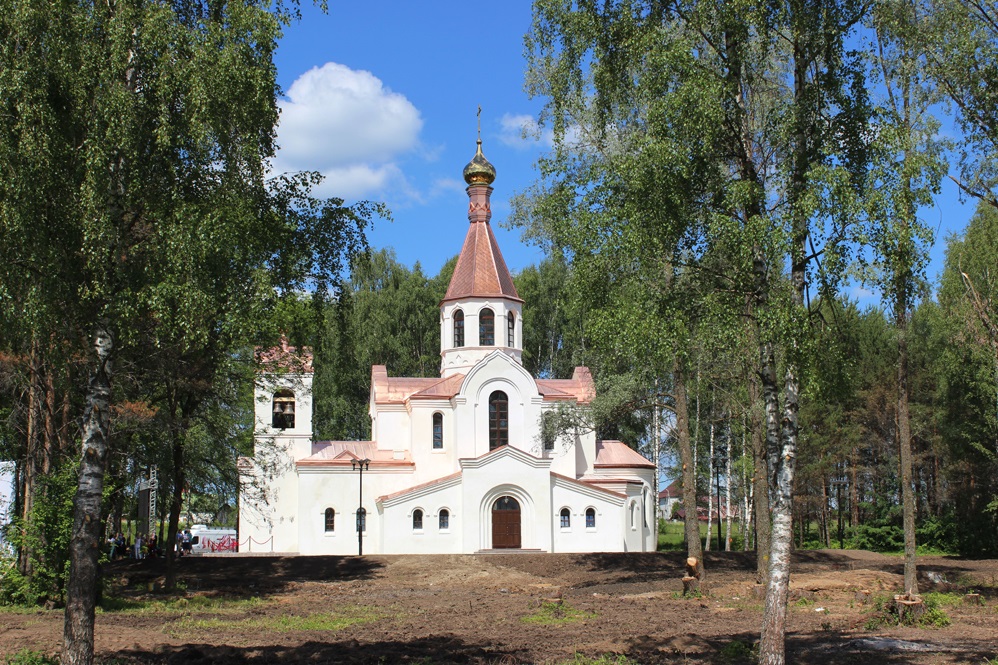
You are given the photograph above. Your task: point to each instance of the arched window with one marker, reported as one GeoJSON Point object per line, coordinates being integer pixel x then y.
{"type": "Point", "coordinates": [458, 328]}
{"type": "Point", "coordinates": [284, 410]}
{"type": "Point", "coordinates": [510, 330]}
{"type": "Point", "coordinates": [590, 518]}
{"type": "Point", "coordinates": [444, 520]}
{"type": "Point", "coordinates": [566, 518]}
{"type": "Point", "coordinates": [438, 431]}
{"type": "Point", "coordinates": [330, 520]}
{"type": "Point", "coordinates": [417, 519]}
{"type": "Point", "coordinates": [634, 510]}
{"type": "Point", "coordinates": [486, 328]}
{"type": "Point", "coordinates": [362, 519]}
{"type": "Point", "coordinates": [498, 420]}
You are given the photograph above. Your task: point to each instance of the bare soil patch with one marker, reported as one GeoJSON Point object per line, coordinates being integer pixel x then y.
{"type": "Point", "coordinates": [470, 609]}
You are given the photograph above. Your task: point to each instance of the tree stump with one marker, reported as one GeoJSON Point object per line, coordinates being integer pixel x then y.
{"type": "Point", "coordinates": [863, 595]}
{"type": "Point", "coordinates": [691, 582]}
{"type": "Point", "coordinates": [972, 599]}
{"type": "Point", "coordinates": [909, 608]}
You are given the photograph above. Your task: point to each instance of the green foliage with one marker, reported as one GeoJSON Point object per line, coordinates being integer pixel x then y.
{"type": "Point", "coordinates": [737, 651]}
{"type": "Point", "coordinates": [386, 314]}
{"type": "Point", "coordinates": [28, 657]}
{"type": "Point", "coordinates": [45, 535]}
{"type": "Point", "coordinates": [556, 614]}
{"type": "Point", "coordinates": [884, 613]}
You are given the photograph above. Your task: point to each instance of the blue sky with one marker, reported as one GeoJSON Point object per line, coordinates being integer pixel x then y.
{"type": "Point", "coordinates": [382, 98]}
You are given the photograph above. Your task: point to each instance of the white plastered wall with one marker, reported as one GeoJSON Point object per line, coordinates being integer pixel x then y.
{"type": "Point", "coordinates": [606, 536]}
{"type": "Point", "coordinates": [455, 360]}
{"type": "Point", "coordinates": [268, 499]}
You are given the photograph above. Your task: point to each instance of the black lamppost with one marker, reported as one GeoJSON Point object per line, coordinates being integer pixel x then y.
{"type": "Point", "coordinates": [360, 465]}
{"type": "Point", "coordinates": [718, 462]}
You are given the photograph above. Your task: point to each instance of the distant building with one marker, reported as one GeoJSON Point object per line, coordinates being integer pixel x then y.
{"type": "Point", "coordinates": [669, 497]}
{"type": "Point", "coordinates": [672, 496]}
{"type": "Point", "coordinates": [457, 463]}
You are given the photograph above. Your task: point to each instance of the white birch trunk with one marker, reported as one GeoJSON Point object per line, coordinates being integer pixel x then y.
{"type": "Point", "coordinates": [727, 494]}
{"type": "Point", "coordinates": [710, 486]}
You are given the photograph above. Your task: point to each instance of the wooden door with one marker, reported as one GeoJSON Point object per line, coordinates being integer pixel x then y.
{"type": "Point", "coordinates": [506, 523]}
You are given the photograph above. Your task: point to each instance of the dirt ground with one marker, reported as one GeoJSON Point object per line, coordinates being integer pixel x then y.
{"type": "Point", "coordinates": [472, 609]}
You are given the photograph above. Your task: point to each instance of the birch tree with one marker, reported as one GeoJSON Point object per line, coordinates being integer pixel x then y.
{"type": "Point", "coordinates": [740, 109]}
{"type": "Point", "coordinates": [134, 141]}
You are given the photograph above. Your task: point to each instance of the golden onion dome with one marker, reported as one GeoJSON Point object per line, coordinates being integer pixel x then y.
{"type": "Point", "coordinates": [479, 170]}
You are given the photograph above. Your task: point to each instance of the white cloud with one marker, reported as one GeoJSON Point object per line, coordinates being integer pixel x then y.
{"type": "Point", "coordinates": [522, 131]}
{"type": "Point", "coordinates": [348, 126]}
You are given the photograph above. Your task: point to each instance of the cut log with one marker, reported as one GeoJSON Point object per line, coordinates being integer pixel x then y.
{"type": "Point", "coordinates": [910, 608]}
{"type": "Point", "coordinates": [691, 567]}
{"type": "Point", "coordinates": [691, 585]}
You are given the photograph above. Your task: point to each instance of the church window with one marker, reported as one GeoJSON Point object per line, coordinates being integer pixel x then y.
{"type": "Point", "coordinates": [458, 328]}
{"type": "Point", "coordinates": [417, 520]}
{"type": "Point", "coordinates": [284, 410]}
{"type": "Point", "coordinates": [444, 519]}
{"type": "Point", "coordinates": [510, 330]}
{"type": "Point", "coordinates": [498, 420]}
{"type": "Point", "coordinates": [590, 518]}
{"type": "Point", "coordinates": [361, 519]}
{"type": "Point", "coordinates": [438, 431]}
{"type": "Point", "coordinates": [486, 328]}
{"type": "Point", "coordinates": [566, 518]}
{"type": "Point", "coordinates": [330, 520]}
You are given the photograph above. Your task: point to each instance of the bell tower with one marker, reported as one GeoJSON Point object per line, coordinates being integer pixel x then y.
{"type": "Point", "coordinates": [481, 311]}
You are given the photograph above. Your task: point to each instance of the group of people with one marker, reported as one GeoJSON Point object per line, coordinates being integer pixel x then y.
{"type": "Point", "coordinates": [121, 547]}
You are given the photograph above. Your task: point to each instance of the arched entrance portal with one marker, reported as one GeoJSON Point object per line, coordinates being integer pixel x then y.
{"type": "Point", "coordinates": [506, 523]}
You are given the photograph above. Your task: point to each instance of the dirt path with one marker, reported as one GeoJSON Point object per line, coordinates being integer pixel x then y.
{"type": "Point", "coordinates": [489, 609]}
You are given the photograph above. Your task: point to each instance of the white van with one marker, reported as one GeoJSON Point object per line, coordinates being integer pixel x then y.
{"type": "Point", "coordinates": [207, 539]}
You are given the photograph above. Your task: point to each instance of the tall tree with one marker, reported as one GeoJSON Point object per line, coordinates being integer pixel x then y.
{"type": "Point", "coordinates": [722, 130]}
{"type": "Point", "coordinates": [159, 119]}
{"type": "Point", "coordinates": [906, 171]}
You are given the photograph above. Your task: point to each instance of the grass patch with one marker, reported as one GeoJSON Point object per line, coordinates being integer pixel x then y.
{"type": "Point", "coordinates": [885, 613]}
{"type": "Point", "coordinates": [28, 657]}
{"type": "Point", "coordinates": [285, 623]}
{"type": "Point", "coordinates": [943, 599]}
{"type": "Point", "coordinates": [556, 614]}
{"type": "Point", "coordinates": [579, 659]}
{"type": "Point", "coordinates": [178, 605]}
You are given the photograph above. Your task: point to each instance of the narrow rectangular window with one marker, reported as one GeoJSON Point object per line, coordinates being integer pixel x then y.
{"type": "Point", "coordinates": [438, 431]}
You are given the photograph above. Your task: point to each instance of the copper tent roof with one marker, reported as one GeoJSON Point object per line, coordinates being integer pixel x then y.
{"type": "Point", "coordinates": [481, 271]}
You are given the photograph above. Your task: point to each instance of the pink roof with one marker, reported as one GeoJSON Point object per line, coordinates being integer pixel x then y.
{"type": "Point", "coordinates": [616, 454]}
{"type": "Point", "coordinates": [587, 483]}
{"type": "Point", "coordinates": [579, 388]}
{"type": "Point", "coordinates": [340, 453]}
{"type": "Point", "coordinates": [418, 487]}
{"type": "Point", "coordinates": [397, 390]}
{"type": "Point", "coordinates": [481, 271]}
{"type": "Point", "coordinates": [285, 358]}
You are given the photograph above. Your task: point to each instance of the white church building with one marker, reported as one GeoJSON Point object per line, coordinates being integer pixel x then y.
{"type": "Point", "coordinates": [456, 464]}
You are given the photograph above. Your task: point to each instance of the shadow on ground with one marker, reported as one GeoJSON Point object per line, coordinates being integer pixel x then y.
{"type": "Point", "coordinates": [437, 649]}
{"type": "Point", "coordinates": [235, 574]}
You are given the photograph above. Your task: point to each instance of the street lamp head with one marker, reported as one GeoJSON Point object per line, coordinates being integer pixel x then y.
{"type": "Point", "coordinates": [364, 464]}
